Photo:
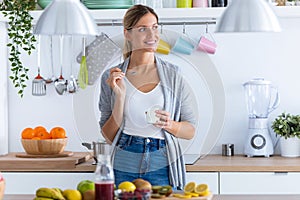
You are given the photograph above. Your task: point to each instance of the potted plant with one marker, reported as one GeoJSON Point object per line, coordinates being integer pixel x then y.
{"type": "Point", "coordinates": [20, 37]}
{"type": "Point", "coordinates": [287, 126]}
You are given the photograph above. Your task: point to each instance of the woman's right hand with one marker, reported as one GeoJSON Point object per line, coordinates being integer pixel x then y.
{"type": "Point", "coordinates": [116, 81]}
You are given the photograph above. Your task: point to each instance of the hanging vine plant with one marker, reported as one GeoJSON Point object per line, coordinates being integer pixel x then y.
{"type": "Point", "coordinates": [20, 38]}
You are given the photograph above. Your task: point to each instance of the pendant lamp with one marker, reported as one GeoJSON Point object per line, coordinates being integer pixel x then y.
{"type": "Point", "coordinates": [248, 16]}
{"type": "Point", "coordinates": [65, 17]}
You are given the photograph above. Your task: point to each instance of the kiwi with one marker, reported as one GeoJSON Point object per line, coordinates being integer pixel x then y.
{"type": "Point", "coordinates": [157, 196]}
{"type": "Point", "coordinates": [165, 190]}
{"type": "Point", "coordinates": [156, 188]}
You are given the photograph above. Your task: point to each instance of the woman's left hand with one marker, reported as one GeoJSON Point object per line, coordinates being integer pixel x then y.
{"type": "Point", "coordinates": [164, 119]}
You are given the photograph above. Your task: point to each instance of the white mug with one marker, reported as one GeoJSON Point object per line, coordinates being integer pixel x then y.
{"type": "Point", "coordinates": [151, 115]}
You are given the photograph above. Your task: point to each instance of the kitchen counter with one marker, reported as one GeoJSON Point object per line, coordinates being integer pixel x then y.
{"type": "Point", "coordinates": [215, 197]}
{"type": "Point", "coordinates": [240, 163]}
{"type": "Point", "coordinates": [83, 162]}
{"type": "Point", "coordinates": [237, 163]}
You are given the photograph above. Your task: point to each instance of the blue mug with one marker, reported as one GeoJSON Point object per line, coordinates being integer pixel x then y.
{"type": "Point", "coordinates": [183, 46]}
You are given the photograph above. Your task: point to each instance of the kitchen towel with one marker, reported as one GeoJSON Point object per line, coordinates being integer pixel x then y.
{"type": "Point", "coordinates": [99, 54]}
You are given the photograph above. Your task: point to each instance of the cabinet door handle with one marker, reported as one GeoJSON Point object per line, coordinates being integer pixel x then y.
{"type": "Point", "coordinates": [281, 173]}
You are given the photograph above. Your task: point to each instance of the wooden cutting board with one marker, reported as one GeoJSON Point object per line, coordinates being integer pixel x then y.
{"type": "Point", "coordinates": [11, 162]}
{"type": "Point", "coordinates": [62, 154]}
{"type": "Point", "coordinates": [209, 197]}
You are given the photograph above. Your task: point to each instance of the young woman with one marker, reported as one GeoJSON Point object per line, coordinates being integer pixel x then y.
{"type": "Point", "coordinates": [128, 93]}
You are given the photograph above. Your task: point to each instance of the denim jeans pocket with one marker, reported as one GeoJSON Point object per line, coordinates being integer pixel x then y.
{"type": "Point", "coordinates": [123, 142]}
{"type": "Point", "coordinates": [163, 151]}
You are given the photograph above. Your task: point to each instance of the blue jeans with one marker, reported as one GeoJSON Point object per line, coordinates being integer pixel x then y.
{"type": "Point", "coordinates": [139, 157]}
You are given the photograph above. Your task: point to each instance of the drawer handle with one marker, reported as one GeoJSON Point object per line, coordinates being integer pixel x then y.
{"type": "Point", "coordinates": [281, 173]}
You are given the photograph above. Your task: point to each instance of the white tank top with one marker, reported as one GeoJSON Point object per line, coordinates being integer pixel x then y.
{"type": "Point", "coordinates": [136, 104]}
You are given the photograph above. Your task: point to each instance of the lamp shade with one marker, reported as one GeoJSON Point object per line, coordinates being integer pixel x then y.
{"type": "Point", "coordinates": [248, 16]}
{"type": "Point", "coordinates": [65, 17]}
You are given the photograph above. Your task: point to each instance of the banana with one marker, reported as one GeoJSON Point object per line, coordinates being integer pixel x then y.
{"type": "Point", "coordinates": [58, 190]}
{"type": "Point", "coordinates": [49, 193]}
{"type": "Point", "coordinates": [42, 198]}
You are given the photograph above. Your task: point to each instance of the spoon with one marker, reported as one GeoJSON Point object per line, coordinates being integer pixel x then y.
{"type": "Point", "coordinates": [60, 83]}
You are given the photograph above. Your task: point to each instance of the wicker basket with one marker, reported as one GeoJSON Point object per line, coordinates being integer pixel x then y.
{"type": "Point", "coordinates": [44, 147]}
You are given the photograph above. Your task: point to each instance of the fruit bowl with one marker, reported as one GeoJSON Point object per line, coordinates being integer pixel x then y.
{"type": "Point", "coordinates": [44, 146]}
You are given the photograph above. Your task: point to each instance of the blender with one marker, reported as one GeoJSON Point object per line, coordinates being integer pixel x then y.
{"type": "Point", "coordinates": [259, 94]}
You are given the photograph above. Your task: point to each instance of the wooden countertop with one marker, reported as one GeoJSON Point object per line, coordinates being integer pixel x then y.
{"type": "Point", "coordinates": [215, 197]}
{"type": "Point", "coordinates": [83, 162]}
{"type": "Point", "coordinates": [239, 163]}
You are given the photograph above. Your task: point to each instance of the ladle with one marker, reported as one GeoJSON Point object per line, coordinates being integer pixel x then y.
{"type": "Point", "coordinates": [60, 84]}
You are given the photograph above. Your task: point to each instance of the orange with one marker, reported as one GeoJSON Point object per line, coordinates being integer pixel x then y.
{"type": "Point", "coordinates": [35, 138]}
{"type": "Point", "coordinates": [39, 129]}
{"type": "Point", "coordinates": [43, 135]}
{"type": "Point", "coordinates": [28, 133]}
{"type": "Point", "coordinates": [58, 132]}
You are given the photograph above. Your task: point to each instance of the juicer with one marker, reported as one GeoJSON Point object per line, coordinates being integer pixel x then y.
{"type": "Point", "coordinates": [259, 95]}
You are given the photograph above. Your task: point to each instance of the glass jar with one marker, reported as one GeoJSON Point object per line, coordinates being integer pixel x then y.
{"type": "Point", "coordinates": [104, 175]}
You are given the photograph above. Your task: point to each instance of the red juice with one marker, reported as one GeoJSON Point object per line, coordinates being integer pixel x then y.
{"type": "Point", "coordinates": [104, 190]}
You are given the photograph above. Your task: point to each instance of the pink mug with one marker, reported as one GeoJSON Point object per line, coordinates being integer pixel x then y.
{"type": "Point", "coordinates": [200, 3]}
{"type": "Point", "coordinates": [206, 45]}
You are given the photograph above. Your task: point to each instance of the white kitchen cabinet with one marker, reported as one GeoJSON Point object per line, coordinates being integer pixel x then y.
{"type": "Point", "coordinates": [29, 182]}
{"type": "Point", "coordinates": [210, 178]}
{"type": "Point", "coordinates": [259, 182]}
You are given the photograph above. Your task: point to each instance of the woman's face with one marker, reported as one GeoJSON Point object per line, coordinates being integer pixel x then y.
{"type": "Point", "coordinates": [144, 36]}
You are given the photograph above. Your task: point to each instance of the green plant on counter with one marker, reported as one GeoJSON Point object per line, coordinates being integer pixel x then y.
{"type": "Point", "coordinates": [287, 125]}
{"type": "Point", "coordinates": [20, 38]}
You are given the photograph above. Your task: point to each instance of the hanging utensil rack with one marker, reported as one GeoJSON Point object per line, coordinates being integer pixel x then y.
{"type": "Point", "coordinates": [202, 21]}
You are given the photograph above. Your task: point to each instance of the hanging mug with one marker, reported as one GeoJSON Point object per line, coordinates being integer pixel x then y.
{"type": "Point", "coordinates": [183, 46]}
{"type": "Point", "coordinates": [206, 45]}
{"type": "Point", "coordinates": [163, 47]}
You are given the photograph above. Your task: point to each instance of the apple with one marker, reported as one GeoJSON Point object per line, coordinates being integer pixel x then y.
{"type": "Point", "coordinates": [85, 185]}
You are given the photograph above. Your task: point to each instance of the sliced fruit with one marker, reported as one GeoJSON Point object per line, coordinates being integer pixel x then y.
{"type": "Point", "coordinates": [156, 188]}
{"type": "Point", "coordinates": [193, 194]}
{"type": "Point", "coordinates": [190, 187]}
{"type": "Point", "coordinates": [165, 190]}
{"type": "Point", "coordinates": [202, 189]}
{"type": "Point", "coordinates": [185, 196]}
{"type": "Point", "coordinates": [157, 196]}
{"type": "Point", "coordinates": [127, 186]}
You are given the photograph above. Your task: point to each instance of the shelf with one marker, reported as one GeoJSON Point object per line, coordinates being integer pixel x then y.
{"type": "Point", "coordinates": [175, 14]}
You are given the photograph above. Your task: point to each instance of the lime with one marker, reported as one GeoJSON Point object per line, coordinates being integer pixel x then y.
{"type": "Point", "coordinates": [127, 186]}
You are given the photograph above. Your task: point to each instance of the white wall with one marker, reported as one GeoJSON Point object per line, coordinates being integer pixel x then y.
{"type": "Point", "coordinates": [239, 58]}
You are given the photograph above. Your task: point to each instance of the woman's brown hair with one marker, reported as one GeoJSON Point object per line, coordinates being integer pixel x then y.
{"type": "Point", "coordinates": [131, 18]}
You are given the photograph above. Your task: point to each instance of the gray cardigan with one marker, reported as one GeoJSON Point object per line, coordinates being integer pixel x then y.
{"type": "Point", "coordinates": [178, 99]}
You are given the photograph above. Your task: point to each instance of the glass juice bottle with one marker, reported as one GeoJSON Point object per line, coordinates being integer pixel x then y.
{"type": "Point", "coordinates": [104, 177]}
